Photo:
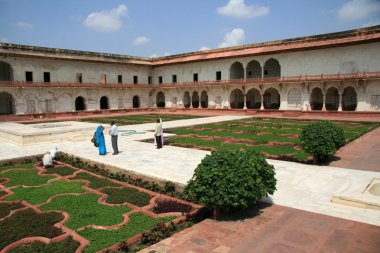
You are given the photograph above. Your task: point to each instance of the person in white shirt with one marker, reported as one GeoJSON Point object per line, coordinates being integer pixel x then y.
{"type": "Point", "coordinates": [47, 160]}
{"type": "Point", "coordinates": [53, 152]}
{"type": "Point", "coordinates": [158, 133]}
{"type": "Point", "coordinates": [114, 132]}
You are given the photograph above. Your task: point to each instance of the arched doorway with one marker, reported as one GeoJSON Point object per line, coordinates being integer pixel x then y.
{"type": "Point", "coordinates": [349, 99]}
{"type": "Point", "coordinates": [104, 103]}
{"type": "Point", "coordinates": [237, 99]}
{"type": "Point", "coordinates": [294, 99]}
{"type": "Point", "coordinates": [316, 99]}
{"type": "Point", "coordinates": [80, 104]}
{"type": "Point", "coordinates": [254, 69]}
{"type": "Point", "coordinates": [271, 99]}
{"type": "Point", "coordinates": [253, 99]}
{"type": "Point", "coordinates": [332, 99]}
{"type": "Point", "coordinates": [236, 71]}
{"type": "Point", "coordinates": [186, 100]}
{"type": "Point", "coordinates": [204, 99]}
{"type": "Point", "coordinates": [136, 102]}
{"type": "Point", "coordinates": [6, 73]}
{"type": "Point", "coordinates": [195, 99]}
{"type": "Point", "coordinates": [7, 103]}
{"type": "Point", "coordinates": [272, 68]}
{"type": "Point", "coordinates": [160, 99]}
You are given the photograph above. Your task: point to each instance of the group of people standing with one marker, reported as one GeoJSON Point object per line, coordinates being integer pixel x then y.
{"type": "Point", "coordinates": [100, 141]}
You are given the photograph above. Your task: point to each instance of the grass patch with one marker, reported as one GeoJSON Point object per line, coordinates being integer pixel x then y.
{"type": "Point", "coordinates": [18, 166]}
{"type": "Point", "coordinates": [28, 223]}
{"type": "Point", "coordinates": [6, 208]}
{"type": "Point", "coordinates": [37, 195]}
{"type": "Point", "coordinates": [63, 171]}
{"type": "Point", "coordinates": [25, 177]}
{"type": "Point", "coordinates": [130, 195]}
{"type": "Point", "coordinates": [138, 223]}
{"type": "Point", "coordinates": [84, 210]}
{"type": "Point", "coordinates": [69, 245]}
{"type": "Point", "coordinates": [95, 182]}
{"type": "Point", "coordinates": [3, 193]}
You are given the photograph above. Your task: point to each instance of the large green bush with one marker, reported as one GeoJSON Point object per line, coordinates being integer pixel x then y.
{"type": "Point", "coordinates": [322, 139]}
{"type": "Point", "coordinates": [231, 179]}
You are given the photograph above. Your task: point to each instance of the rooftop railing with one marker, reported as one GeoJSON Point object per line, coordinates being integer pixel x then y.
{"type": "Point", "coordinates": [269, 80]}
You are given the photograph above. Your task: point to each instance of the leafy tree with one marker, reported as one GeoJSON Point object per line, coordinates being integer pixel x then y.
{"type": "Point", "coordinates": [322, 139]}
{"type": "Point", "coordinates": [231, 179]}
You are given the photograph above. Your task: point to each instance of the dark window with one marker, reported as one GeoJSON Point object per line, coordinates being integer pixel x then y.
{"type": "Point", "coordinates": [174, 78]}
{"type": "Point", "coordinates": [218, 75]}
{"type": "Point", "coordinates": [195, 77]}
{"type": "Point", "coordinates": [47, 77]}
{"type": "Point", "coordinates": [265, 72]}
{"type": "Point", "coordinates": [160, 79]}
{"type": "Point", "coordinates": [79, 78]}
{"type": "Point", "coordinates": [135, 79]}
{"type": "Point", "coordinates": [120, 79]}
{"type": "Point", "coordinates": [249, 73]}
{"type": "Point", "coordinates": [29, 76]}
{"type": "Point", "coordinates": [149, 79]}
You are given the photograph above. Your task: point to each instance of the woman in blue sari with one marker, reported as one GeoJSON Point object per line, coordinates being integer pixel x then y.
{"type": "Point", "coordinates": [100, 140]}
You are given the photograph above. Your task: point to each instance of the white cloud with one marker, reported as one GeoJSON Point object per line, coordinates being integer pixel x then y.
{"type": "Point", "coordinates": [24, 25]}
{"type": "Point", "coordinates": [358, 9]}
{"type": "Point", "coordinates": [204, 48]}
{"type": "Point", "coordinates": [106, 20]}
{"type": "Point", "coordinates": [238, 9]}
{"type": "Point", "coordinates": [139, 41]}
{"type": "Point", "coordinates": [154, 56]}
{"type": "Point", "coordinates": [233, 38]}
{"type": "Point", "coordinates": [372, 23]}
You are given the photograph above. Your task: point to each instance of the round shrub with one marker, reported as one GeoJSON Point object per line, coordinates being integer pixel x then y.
{"type": "Point", "coordinates": [322, 139]}
{"type": "Point", "coordinates": [231, 179]}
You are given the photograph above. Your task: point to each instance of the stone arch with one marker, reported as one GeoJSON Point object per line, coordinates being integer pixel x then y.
{"type": "Point", "coordinates": [104, 104]}
{"type": "Point", "coordinates": [332, 99]}
{"type": "Point", "coordinates": [316, 99]}
{"type": "Point", "coordinates": [253, 99]}
{"type": "Point", "coordinates": [31, 103]}
{"type": "Point", "coordinates": [195, 99]}
{"type": "Point", "coordinates": [7, 103]}
{"type": "Point", "coordinates": [349, 99]}
{"type": "Point", "coordinates": [236, 71]}
{"type": "Point", "coordinates": [186, 99]}
{"type": "Point", "coordinates": [136, 101]}
{"type": "Point", "coordinates": [237, 99]}
{"type": "Point", "coordinates": [271, 99]}
{"type": "Point", "coordinates": [294, 99]}
{"type": "Point", "coordinates": [272, 68]}
{"type": "Point", "coordinates": [204, 99]}
{"type": "Point", "coordinates": [80, 104]}
{"type": "Point", "coordinates": [6, 72]}
{"type": "Point", "coordinates": [254, 70]}
{"type": "Point", "coordinates": [160, 99]}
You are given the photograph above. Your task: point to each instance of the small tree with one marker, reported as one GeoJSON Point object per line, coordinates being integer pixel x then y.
{"type": "Point", "coordinates": [231, 178]}
{"type": "Point", "coordinates": [322, 139]}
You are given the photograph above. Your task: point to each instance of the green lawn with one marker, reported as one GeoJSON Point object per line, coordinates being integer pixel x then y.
{"type": "Point", "coordinates": [138, 119]}
{"type": "Point", "coordinates": [95, 182]}
{"type": "Point", "coordinates": [18, 166]}
{"type": "Point", "coordinates": [25, 177]}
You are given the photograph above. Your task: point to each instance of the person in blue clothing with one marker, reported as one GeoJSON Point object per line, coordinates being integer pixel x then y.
{"type": "Point", "coordinates": [100, 140]}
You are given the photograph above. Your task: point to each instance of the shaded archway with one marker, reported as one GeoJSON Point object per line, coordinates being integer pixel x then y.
{"type": "Point", "coordinates": [7, 103]}
{"type": "Point", "coordinates": [104, 103]}
{"type": "Point", "coordinates": [195, 99]}
{"type": "Point", "coordinates": [349, 99]}
{"type": "Point", "coordinates": [253, 99]}
{"type": "Point", "coordinates": [294, 99]}
{"type": "Point", "coordinates": [316, 99]}
{"type": "Point", "coordinates": [186, 100]}
{"type": "Point", "coordinates": [80, 104]}
{"type": "Point", "coordinates": [237, 99]}
{"type": "Point", "coordinates": [271, 99]}
{"type": "Point", "coordinates": [254, 69]}
{"type": "Point", "coordinates": [272, 68]}
{"type": "Point", "coordinates": [236, 71]}
{"type": "Point", "coordinates": [136, 102]}
{"type": "Point", "coordinates": [332, 99]}
{"type": "Point", "coordinates": [160, 99]}
{"type": "Point", "coordinates": [6, 72]}
{"type": "Point", "coordinates": [204, 99]}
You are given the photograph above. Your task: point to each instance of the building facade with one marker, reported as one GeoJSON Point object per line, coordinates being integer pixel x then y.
{"type": "Point", "coordinates": [337, 72]}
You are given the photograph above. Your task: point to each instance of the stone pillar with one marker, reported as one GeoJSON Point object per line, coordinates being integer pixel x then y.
{"type": "Point", "coordinates": [340, 101]}
{"type": "Point", "coordinates": [262, 102]}
{"type": "Point", "coordinates": [245, 101]}
{"type": "Point", "coordinates": [191, 101]}
{"type": "Point", "coordinates": [324, 102]}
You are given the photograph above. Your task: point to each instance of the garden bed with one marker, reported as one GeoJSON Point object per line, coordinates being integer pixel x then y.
{"type": "Point", "coordinates": [68, 209]}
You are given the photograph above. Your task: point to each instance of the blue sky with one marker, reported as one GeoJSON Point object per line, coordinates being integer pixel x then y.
{"type": "Point", "coordinates": [163, 27]}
